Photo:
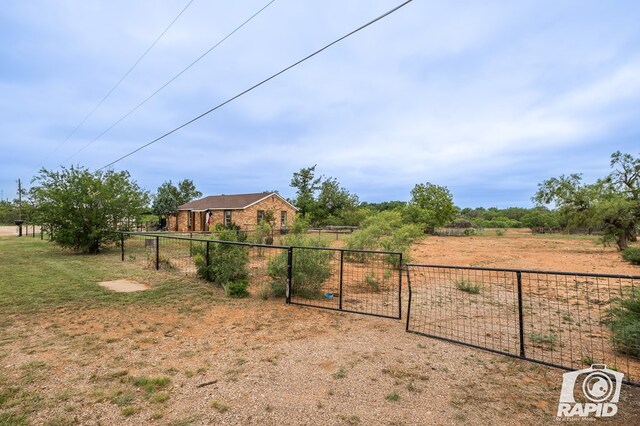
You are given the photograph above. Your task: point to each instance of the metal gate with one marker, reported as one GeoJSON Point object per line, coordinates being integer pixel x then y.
{"type": "Point", "coordinates": [358, 281]}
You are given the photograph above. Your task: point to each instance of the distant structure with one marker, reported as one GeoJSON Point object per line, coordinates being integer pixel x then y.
{"type": "Point", "coordinates": [244, 210]}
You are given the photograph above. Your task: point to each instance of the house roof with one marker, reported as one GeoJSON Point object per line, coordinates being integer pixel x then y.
{"type": "Point", "coordinates": [229, 202]}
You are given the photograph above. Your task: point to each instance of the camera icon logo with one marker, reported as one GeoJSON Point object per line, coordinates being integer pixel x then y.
{"type": "Point", "coordinates": [600, 386]}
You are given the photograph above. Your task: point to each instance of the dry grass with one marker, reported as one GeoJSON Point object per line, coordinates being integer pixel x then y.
{"type": "Point", "coordinates": [175, 357]}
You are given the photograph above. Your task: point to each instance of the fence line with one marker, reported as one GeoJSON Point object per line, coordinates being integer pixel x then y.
{"type": "Point", "coordinates": [360, 281]}
{"type": "Point", "coordinates": [559, 319]}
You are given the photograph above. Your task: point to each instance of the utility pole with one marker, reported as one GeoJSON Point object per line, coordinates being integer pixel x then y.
{"type": "Point", "coordinates": [19, 222]}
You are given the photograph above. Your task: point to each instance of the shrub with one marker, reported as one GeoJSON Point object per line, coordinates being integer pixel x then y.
{"type": "Point", "coordinates": [372, 282]}
{"type": "Point", "coordinates": [227, 262]}
{"type": "Point", "coordinates": [468, 286]}
{"type": "Point", "coordinates": [231, 232]}
{"type": "Point", "coordinates": [262, 234]}
{"type": "Point", "coordinates": [632, 254]}
{"type": "Point", "coordinates": [310, 267]}
{"type": "Point", "coordinates": [624, 322]}
{"type": "Point", "coordinates": [544, 339]}
{"type": "Point", "coordinates": [384, 231]}
{"type": "Point", "coordinates": [237, 289]}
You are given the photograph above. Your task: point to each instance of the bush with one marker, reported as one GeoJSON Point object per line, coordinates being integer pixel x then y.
{"type": "Point", "coordinates": [385, 231]}
{"type": "Point", "coordinates": [632, 254]}
{"type": "Point", "coordinates": [310, 268]}
{"type": "Point", "coordinates": [227, 262]}
{"type": "Point", "coordinates": [624, 322]}
{"type": "Point", "coordinates": [237, 289]}
{"type": "Point", "coordinates": [468, 286]}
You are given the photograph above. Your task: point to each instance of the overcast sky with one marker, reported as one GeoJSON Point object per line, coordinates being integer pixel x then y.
{"type": "Point", "coordinates": [486, 98]}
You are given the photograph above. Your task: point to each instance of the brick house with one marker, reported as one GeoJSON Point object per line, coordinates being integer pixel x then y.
{"type": "Point", "coordinates": [245, 210]}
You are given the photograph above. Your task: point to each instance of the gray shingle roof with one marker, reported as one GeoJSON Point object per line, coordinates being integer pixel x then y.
{"type": "Point", "coordinates": [226, 202]}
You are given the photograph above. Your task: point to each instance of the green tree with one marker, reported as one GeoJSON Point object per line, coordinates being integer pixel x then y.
{"type": "Point", "coordinates": [322, 200]}
{"type": "Point", "coordinates": [334, 202]}
{"type": "Point", "coordinates": [168, 197]}
{"type": "Point", "coordinates": [80, 207]}
{"type": "Point", "coordinates": [8, 212]}
{"type": "Point", "coordinates": [540, 218]}
{"type": "Point", "coordinates": [612, 203]}
{"type": "Point", "coordinates": [306, 185]}
{"type": "Point", "coordinates": [431, 205]}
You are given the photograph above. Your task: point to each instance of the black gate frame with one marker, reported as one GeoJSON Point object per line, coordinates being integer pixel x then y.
{"type": "Point", "coordinates": [340, 307]}
{"type": "Point", "coordinates": [518, 272]}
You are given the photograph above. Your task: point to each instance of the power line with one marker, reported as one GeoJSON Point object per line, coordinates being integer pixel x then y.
{"type": "Point", "coordinates": [170, 81]}
{"type": "Point", "coordinates": [117, 84]}
{"type": "Point", "coordinates": [282, 71]}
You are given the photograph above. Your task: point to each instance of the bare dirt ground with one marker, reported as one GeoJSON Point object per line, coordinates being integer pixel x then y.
{"type": "Point", "coordinates": [260, 362]}
{"type": "Point", "coordinates": [8, 230]}
{"type": "Point", "coordinates": [519, 249]}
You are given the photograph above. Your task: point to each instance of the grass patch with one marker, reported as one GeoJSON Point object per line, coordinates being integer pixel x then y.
{"type": "Point", "coordinates": [129, 411]}
{"type": "Point", "coordinates": [13, 419]}
{"type": "Point", "coordinates": [392, 396]}
{"type": "Point", "coordinates": [632, 255]}
{"type": "Point", "coordinates": [468, 286]}
{"type": "Point", "coordinates": [38, 275]}
{"type": "Point", "coordinates": [159, 397]}
{"type": "Point", "coordinates": [624, 322]}
{"type": "Point", "coordinates": [549, 340]}
{"type": "Point", "coordinates": [121, 397]}
{"type": "Point", "coordinates": [340, 374]}
{"type": "Point", "coordinates": [151, 384]}
{"type": "Point", "coordinates": [219, 406]}
{"type": "Point", "coordinates": [61, 420]}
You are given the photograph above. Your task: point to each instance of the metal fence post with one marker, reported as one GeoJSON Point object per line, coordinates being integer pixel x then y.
{"type": "Point", "coordinates": [122, 246]}
{"type": "Point", "coordinates": [157, 252]}
{"type": "Point", "coordinates": [207, 262]}
{"type": "Point", "coordinates": [341, 269]}
{"type": "Point", "coordinates": [520, 314]}
{"type": "Point", "coordinates": [289, 274]}
{"type": "Point", "coordinates": [410, 294]}
{"type": "Point", "coordinates": [400, 268]}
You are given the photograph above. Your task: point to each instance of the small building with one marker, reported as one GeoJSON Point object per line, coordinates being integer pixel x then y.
{"type": "Point", "coordinates": [244, 210]}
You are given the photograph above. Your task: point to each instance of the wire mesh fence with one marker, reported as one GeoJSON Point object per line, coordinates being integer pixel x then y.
{"type": "Point", "coordinates": [565, 320]}
{"type": "Point", "coordinates": [366, 282]}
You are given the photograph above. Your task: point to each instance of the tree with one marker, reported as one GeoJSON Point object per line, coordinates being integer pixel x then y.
{"type": "Point", "coordinates": [540, 218]}
{"type": "Point", "coordinates": [575, 200]}
{"type": "Point", "coordinates": [8, 212]}
{"type": "Point", "coordinates": [306, 185]}
{"type": "Point", "coordinates": [431, 205]}
{"type": "Point", "coordinates": [322, 200]}
{"type": "Point", "coordinates": [334, 202]}
{"type": "Point", "coordinates": [80, 207]}
{"type": "Point", "coordinates": [169, 197]}
{"type": "Point", "coordinates": [612, 203]}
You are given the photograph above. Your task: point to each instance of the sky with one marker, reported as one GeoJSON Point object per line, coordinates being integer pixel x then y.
{"type": "Point", "coordinates": [486, 98]}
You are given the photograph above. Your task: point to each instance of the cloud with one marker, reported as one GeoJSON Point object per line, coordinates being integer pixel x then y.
{"type": "Point", "coordinates": [486, 98]}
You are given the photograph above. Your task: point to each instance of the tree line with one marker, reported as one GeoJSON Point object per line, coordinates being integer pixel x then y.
{"type": "Point", "coordinates": [77, 205]}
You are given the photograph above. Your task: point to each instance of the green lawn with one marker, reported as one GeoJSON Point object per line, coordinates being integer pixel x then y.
{"type": "Point", "coordinates": [36, 275]}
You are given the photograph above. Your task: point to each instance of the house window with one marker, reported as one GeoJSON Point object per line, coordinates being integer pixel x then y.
{"type": "Point", "coordinates": [227, 218]}
{"type": "Point", "coordinates": [283, 218]}
{"type": "Point", "coordinates": [260, 215]}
